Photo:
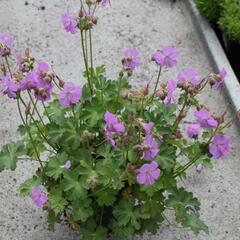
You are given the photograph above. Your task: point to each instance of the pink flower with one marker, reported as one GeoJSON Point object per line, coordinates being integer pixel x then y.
{"type": "Point", "coordinates": [38, 197]}
{"type": "Point", "coordinates": [148, 128]}
{"type": "Point", "coordinates": [29, 81]}
{"type": "Point", "coordinates": [167, 57]}
{"type": "Point", "coordinates": [44, 85]}
{"type": "Point", "coordinates": [68, 164]}
{"type": "Point", "coordinates": [205, 119]}
{"type": "Point", "coordinates": [199, 168]}
{"type": "Point", "coordinates": [69, 22]}
{"type": "Point", "coordinates": [9, 87]}
{"type": "Point", "coordinates": [150, 148]}
{"type": "Point", "coordinates": [189, 76]}
{"type": "Point", "coordinates": [112, 126]}
{"type": "Point", "coordinates": [148, 174]}
{"type": "Point", "coordinates": [132, 58]}
{"type": "Point", "coordinates": [6, 44]}
{"type": "Point", "coordinates": [105, 2]}
{"type": "Point", "coordinates": [171, 86]}
{"type": "Point", "coordinates": [193, 130]}
{"type": "Point", "coordinates": [70, 95]}
{"type": "Point", "coordinates": [219, 84]}
{"type": "Point", "coordinates": [220, 146]}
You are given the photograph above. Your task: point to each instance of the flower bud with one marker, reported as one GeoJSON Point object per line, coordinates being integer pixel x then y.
{"type": "Point", "coordinates": [121, 74]}
{"type": "Point", "coordinates": [94, 20]}
{"type": "Point", "coordinates": [28, 108]}
{"type": "Point", "coordinates": [87, 134]}
{"type": "Point", "coordinates": [161, 94]}
{"type": "Point", "coordinates": [199, 168]}
{"type": "Point", "coordinates": [145, 90]}
{"type": "Point", "coordinates": [212, 77]}
{"type": "Point", "coordinates": [61, 83]}
{"type": "Point", "coordinates": [130, 72]}
{"type": "Point", "coordinates": [220, 119]}
{"type": "Point", "coordinates": [131, 167]}
{"type": "Point", "coordinates": [81, 13]}
{"type": "Point", "coordinates": [93, 180]}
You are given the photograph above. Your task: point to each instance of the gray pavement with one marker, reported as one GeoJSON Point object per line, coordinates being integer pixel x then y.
{"type": "Point", "coordinates": [146, 25]}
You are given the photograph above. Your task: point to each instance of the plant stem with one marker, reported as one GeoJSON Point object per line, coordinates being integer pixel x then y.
{"type": "Point", "coordinates": [156, 85]}
{"type": "Point", "coordinates": [85, 62]}
{"type": "Point", "coordinates": [8, 66]}
{"type": "Point", "coordinates": [178, 120]}
{"type": "Point", "coordinates": [91, 51]}
{"type": "Point", "coordinates": [29, 133]}
{"type": "Point", "coordinates": [75, 117]}
{"type": "Point", "coordinates": [35, 107]}
{"type": "Point", "coordinates": [48, 116]}
{"type": "Point", "coordinates": [40, 131]}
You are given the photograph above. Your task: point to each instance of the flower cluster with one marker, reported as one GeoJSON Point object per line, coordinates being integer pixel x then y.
{"type": "Point", "coordinates": [110, 154]}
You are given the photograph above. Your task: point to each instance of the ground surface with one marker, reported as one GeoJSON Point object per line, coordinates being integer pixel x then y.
{"type": "Point", "coordinates": [147, 25]}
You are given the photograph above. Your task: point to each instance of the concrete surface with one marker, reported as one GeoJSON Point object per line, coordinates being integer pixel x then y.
{"type": "Point", "coordinates": [147, 25]}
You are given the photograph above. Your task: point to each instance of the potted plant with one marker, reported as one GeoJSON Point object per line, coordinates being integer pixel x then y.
{"type": "Point", "coordinates": [224, 18]}
{"type": "Point", "coordinates": [109, 154]}
{"type": "Point", "coordinates": [229, 23]}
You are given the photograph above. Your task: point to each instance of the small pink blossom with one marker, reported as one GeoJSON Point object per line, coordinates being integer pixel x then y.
{"type": "Point", "coordinates": [29, 82]}
{"type": "Point", "coordinates": [171, 86]}
{"type": "Point", "coordinates": [167, 57]}
{"type": "Point", "coordinates": [147, 128]}
{"type": "Point", "coordinates": [219, 84]}
{"type": "Point", "coordinates": [68, 164]}
{"type": "Point", "coordinates": [220, 146]}
{"type": "Point", "coordinates": [189, 76]}
{"type": "Point", "coordinates": [150, 147]}
{"type": "Point", "coordinates": [112, 126]}
{"type": "Point", "coordinates": [148, 174]}
{"type": "Point", "coordinates": [5, 41]}
{"type": "Point", "coordinates": [105, 2]}
{"type": "Point", "coordinates": [205, 119]}
{"type": "Point", "coordinates": [193, 130]}
{"type": "Point", "coordinates": [69, 22]}
{"type": "Point", "coordinates": [44, 86]}
{"type": "Point", "coordinates": [199, 168]}
{"type": "Point", "coordinates": [38, 197]}
{"type": "Point", "coordinates": [70, 95]}
{"type": "Point", "coordinates": [9, 87]}
{"type": "Point", "coordinates": [131, 58]}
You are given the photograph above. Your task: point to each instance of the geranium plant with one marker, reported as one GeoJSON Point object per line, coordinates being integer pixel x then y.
{"type": "Point", "coordinates": [110, 155]}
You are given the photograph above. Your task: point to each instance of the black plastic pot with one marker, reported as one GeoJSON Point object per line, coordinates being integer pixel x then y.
{"type": "Point", "coordinates": [232, 49]}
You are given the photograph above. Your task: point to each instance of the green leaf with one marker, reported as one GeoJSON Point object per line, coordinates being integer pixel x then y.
{"type": "Point", "coordinates": [52, 219]}
{"type": "Point", "coordinates": [56, 112]}
{"type": "Point", "coordinates": [180, 197]}
{"type": "Point", "coordinates": [28, 185]}
{"type": "Point", "coordinates": [106, 197]}
{"type": "Point", "coordinates": [152, 225]}
{"type": "Point", "coordinates": [126, 213]}
{"type": "Point", "coordinates": [205, 161]}
{"type": "Point", "coordinates": [82, 210]}
{"type": "Point", "coordinates": [122, 232]}
{"type": "Point", "coordinates": [167, 157]}
{"type": "Point", "coordinates": [56, 200]}
{"type": "Point", "coordinates": [55, 166]}
{"type": "Point", "coordinates": [73, 186]}
{"type": "Point", "coordinates": [99, 234]}
{"type": "Point", "coordinates": [65, 135]}
{"type": "Point", "coordinates": [195, 223]}
{"type": "Point", "coordinates": [110, 174]}
{"type": "Point", "coordinates": [9, 154]}
{"type": "Point", "coordinates": [186, 207]}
